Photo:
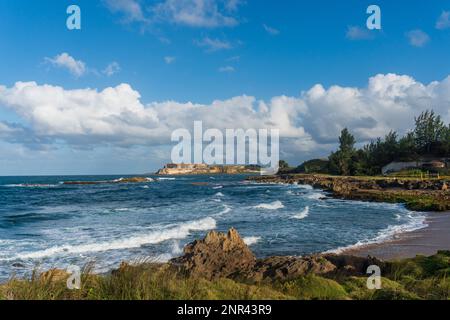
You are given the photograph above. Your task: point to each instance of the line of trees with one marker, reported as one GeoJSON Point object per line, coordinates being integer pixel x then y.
{"type": "Point", "coordinates": [430, 137]}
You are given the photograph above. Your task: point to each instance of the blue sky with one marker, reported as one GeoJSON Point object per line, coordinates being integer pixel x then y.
{"type": "Point", "coordinates": [171, 53]}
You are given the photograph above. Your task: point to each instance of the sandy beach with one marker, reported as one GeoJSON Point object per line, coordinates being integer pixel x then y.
{"type": "Point", "coordinates": [426, 241]}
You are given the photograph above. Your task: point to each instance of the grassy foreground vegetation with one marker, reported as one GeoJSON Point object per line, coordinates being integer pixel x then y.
{"type": "Point", "coordinates": [417, 278]}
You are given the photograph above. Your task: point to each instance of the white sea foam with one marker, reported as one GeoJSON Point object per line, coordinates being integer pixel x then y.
{"type": "Point", "coordinates": [217, 187]}
{"type": "Point", "coordinates": [165, 178]}
{"type": "Point", "coordinates": [31, 185]}
{"type": "Point", "coordinates": [219, 194]}
{"type": "Point", "coordinates": [315, 196]}
{"type": "Point", "coordinates": [226, 209]}
{"type": "Point", "coordinates": [176, 249]}
{"type": "Point", "coordinates": [174, 233]}
{"type": "Point", "coordinates": [305, 186]}
{"type": "Point", "coordinates": [251, 240]}
{"type": "Point", "coordinates": [302, 215]}
{"type": "Point", "coordinates": [414, 221]}
{"type": "Point", "coordinates": [270, 206]}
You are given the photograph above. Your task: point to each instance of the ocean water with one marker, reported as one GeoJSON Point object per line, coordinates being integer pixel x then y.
{"type": "Point", "coordinates": [45, 224]}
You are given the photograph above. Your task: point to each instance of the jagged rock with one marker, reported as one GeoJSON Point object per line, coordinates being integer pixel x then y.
{"type": "Point", "coordinates": [285, 268]}
{"type": "Point", "coordinates": [18, 265]}
{"type": "Point", "coordinates": [218, 255]}
{"type": "Point", "coordinates": [134, 180]}
{"type": "Point", "coordinates": [222, 255]}
{"type": "Point", "coordinates": [352, 266]}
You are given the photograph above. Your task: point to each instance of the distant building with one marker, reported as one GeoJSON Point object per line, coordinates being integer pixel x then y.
{"type": "Point", "coordinates": [188, 166]}
{"type": "Point", "coordinates": [397, 166]}
{"type": "Point", "coordinates": [201, 168]}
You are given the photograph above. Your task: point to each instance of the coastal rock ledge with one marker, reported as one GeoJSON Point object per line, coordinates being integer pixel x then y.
{"type": "Point", "coordinates": [218, 255]}
{"type": "Point", "coordinates": [221, 255]}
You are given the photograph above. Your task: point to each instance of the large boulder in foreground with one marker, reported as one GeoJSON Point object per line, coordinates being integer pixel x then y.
{"type": "Point", "coordinates": [218, 255]}
{"type": "Point", "coordinates": [221, 255]}
{"type": "Point", "coordinates": [352, 266]}
{"type": "Point", "coordinates": [285, 268]}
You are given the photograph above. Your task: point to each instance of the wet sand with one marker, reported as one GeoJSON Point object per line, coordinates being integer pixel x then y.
{"type": "Point", "coordinates": [426, 241]}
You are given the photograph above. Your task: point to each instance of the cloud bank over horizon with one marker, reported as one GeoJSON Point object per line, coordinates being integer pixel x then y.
{"type": "Point", "coordinates": [51, 117]}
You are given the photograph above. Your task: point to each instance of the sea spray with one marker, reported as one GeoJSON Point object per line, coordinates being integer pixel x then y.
{"type": "Point", "coordinates": [302, 215]}
{"type": "Point", "coordinates": [250, 241]}
{"type": "Point", "coordinates": [270, 206]}
{"type": "Point", "coordinates": [179, 232]}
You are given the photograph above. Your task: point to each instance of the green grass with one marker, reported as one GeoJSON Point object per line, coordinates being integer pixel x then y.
{"type": "Point", "coordinates": [417, 278]}
{"type": "Point", "coordinates": [421, 202]}
{"type": "Point", "coordinates": [314, 288]}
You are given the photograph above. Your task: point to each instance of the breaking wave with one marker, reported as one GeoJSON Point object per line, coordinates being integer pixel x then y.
{"type": "Point", "coordinates": [270, 206]}
{"type": "Point", "coordinates": [251, 240]}
{"type": "Point", "coordinates": [414, 221]}
{"type": "Point", "coordinates": [315, 196]}
{"type": "Point", "coordinates": [302, 215]}
{"type": "Point", "coordinates": [30, 185]}
{"type": "Point", "coordinates": [175, 233]}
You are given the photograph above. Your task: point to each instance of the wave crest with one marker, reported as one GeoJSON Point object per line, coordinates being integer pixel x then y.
{"type": "Point", "coordinates": [270, 206]}
{"type": "Point", "coordinates": [302, 215]}
{"type": "Point", "coordinates": [175, 233]}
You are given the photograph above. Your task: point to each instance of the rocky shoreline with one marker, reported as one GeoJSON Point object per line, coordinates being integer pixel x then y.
{"type": "Point", "coordinates": [225, 255]}
{"type": "Point", "coordinates": [203, 169]}
{"type": "Point", "coordinates": [416, 194]}
{"type": "Point", "coordinates": [222, 267]}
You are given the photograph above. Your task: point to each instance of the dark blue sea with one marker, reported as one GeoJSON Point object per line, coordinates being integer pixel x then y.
{"type": "Point", "coordinates": [46, 224]}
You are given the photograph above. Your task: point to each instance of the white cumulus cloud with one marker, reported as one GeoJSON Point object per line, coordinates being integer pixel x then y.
{"type": "Point", "coordinates": [358, 33]}
{"type": "Point", "coordinates": [66, 61]}
{"type": "Point", "coordinates": [111, 69]}
{"type": "Point", "coordinates": [212, 45]}
{"type": "Point", "coordinates": [417, 38]}
{"type": "Point", "coordinates": [227, 69]}
{"type": "Point", "coordinates": [270, 30]}
{"type": "Point", "coordinates": [443, 21]}
{"type": "Point", "coordinates": [308, 122]}
{"type": "Point", "coordinates": [131, 9]}
{"type": "Point", "coordinates": [169, 59]}
{"type": "Point", "coordinates": [197, 13]}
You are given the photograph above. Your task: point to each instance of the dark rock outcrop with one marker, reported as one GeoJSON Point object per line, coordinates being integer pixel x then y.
{"type": "Point", "coordinates": [416, 194]}
{"type": "Point", "coordinates": [352, 266]}
{"type": "Point", "coordinates": [221, 255]}
{"type": "Point", "coordinates": [284, 268]}
{"type": "Point", "coordinates": [218, 255]}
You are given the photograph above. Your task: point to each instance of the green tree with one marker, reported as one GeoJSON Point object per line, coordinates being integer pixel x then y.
{"type": "Point", "coordinates": [341, 161]}
{"type": "Point", "coordinates": [283, 164]}
{"type": "Point", "coordinates": [347, 142]}
{"type": "Point", "coordinates": [429, 132]}
{"type": "Point", "coordinates": [313, 166]}
{"type": "Point", "coordinates": [407, 150]}
{"type": "Point", "coordinates": [445, 148]}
